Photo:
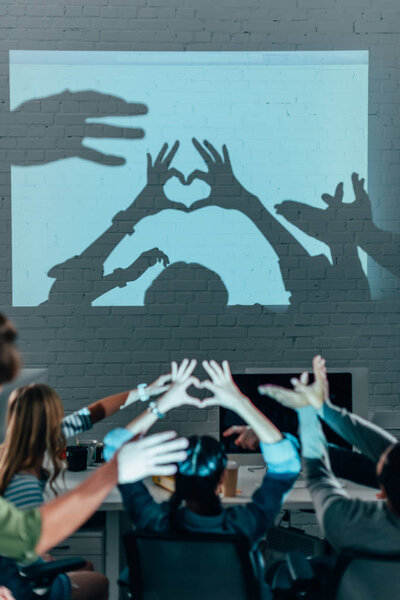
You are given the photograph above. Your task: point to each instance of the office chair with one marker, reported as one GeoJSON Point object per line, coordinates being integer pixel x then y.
{"type": "Point", "coordinates": [165, 566]}
{"type": "Point", "coordinates": [354, 575]}
{"type": "Point", "coordinates": [41, 576]}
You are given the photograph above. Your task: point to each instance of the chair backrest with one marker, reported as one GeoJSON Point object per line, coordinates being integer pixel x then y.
{"type": "Point", "coordinates": [360, 576]}
{"type": "Point", "coordinates": [196, 566]}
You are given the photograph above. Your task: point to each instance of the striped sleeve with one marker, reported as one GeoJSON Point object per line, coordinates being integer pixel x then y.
{"type": "Point", "coordinates": [24, 491]}
{"type": "Point", "coordinates": [77, 422]}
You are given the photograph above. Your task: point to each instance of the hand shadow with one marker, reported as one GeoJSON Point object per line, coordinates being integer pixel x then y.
{"type": "Point", "coordinates": [60, 123]}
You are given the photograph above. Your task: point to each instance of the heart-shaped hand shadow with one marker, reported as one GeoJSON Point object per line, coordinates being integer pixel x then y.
{"type": "Point", "coordinates": [186, 191]}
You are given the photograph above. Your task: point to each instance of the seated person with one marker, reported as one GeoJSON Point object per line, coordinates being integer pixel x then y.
{"type": "Point", "coordinates": [26, 533]}
{"type": "Point", "coordinates": [195, 506]}
{"type": "Point", "coordinates": [349, 524]}
{"type": "Point", "coordinates": [22, 477]}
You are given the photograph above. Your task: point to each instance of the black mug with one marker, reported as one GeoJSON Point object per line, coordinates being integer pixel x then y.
{"type": "Point", "coordinates": [99, 452]}
{"type": "Point", "coordinates": [77, 458]}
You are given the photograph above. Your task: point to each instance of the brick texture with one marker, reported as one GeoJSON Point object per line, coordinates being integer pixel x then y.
{"type": "Point", "coordinates": [95, 351]}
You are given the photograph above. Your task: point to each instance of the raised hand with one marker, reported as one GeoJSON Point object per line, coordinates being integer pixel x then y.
{"type": "Point", "coordinates": [154, 256]}
{"type": "Point", "coordinates": [154, 455]}
{"type": "Point", "coordinates": [217, 165]}
{"type": "Point", "coordinates": [362, 203]}
{"type": "Point", "coordinates": [247, 439]}
{"type": "Point", "coordinates": [152, 198]}
{"type": "Point", "coordinates": [313, 220]}
{"type": "Point", "coordinates": [64, 121]}
{"type": "Point", "coordinates": [160, 385]}
{"type": "Point", "coordinates": [182, 378]}
{"type": "Point", "coordinates": [159, 172]}
{"type": "Point", "coordinates": [303, 393]}
{"type": "Point", "coordinates": [221, 384]}
{"type": "Point", "coordinates": [228, 395]}
{"type": "Point", "coordinates": [219, 174]}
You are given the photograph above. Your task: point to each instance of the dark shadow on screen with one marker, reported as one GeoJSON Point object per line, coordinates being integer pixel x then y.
{"type": "Point", "coordinates": [183, 283]}
{"type": "Point", "coordinates": [344, 226]}
{"type": "Point", "coordinates": [54, 127]}
{"type": "Point", "coordinates": [308, 279]}
{"type": "Point", "coordinates": [82, 276]}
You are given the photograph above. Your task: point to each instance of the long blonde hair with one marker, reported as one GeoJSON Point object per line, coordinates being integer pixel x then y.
{"type": "Point", "coordinates": [34, 418]}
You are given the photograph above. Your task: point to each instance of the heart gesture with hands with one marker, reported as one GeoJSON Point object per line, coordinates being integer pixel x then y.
{"type": "Point", "coordinates": [303, 393]}
{"type": "Point", "coordinates": [181, 379]}
{"type": "Point", "coordinates": [227, 394]}
{"type": "Point", "coordinates": [221, 384]}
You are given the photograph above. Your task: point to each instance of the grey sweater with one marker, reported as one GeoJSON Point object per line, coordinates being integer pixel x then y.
{"type": "Point", "coordinates": [351, 524]}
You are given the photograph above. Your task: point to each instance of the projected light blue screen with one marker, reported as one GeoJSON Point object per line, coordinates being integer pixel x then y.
{"type": "Point", "coordinates": [295, 124]}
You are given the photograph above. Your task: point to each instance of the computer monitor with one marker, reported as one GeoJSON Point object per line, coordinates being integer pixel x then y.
{"type": "Point", "coordinates": [348, 389]}
{"type": "Point", "coordinates": [25, 377]}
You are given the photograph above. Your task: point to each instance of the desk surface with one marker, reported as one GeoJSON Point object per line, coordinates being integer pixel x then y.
{"type": "Point", "coordinates": [249, 480]}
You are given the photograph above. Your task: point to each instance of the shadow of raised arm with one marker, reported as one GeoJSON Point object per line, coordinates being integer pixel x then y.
{"type": "Point", "coordinates": [349, 224]}
{"type": "Point", "coordinates": [228, 193]}
{"type": "Point", "coordinates": [83, 275]}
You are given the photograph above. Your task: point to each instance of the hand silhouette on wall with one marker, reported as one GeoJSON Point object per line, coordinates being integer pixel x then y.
{"type": "Point", "coordinates": [79, 277]}
{"type": "Point", "coordinates": [314, 221]}
{"type": "Point", "coordinates": [152, 198]}
{"type": "Point", "coordinates": [60, 124]}
{"type": "Point", "coordinates": [225, 190]}
{"type": "Point", "coordinates": [294, 261]}
{"type": "Point", "coordinates": [333, 225]}
{"type": "Point", "coordinates": [84, 273]}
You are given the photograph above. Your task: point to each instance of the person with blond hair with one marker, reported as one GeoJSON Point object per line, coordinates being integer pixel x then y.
{"type": "Point", "coordinates": [25, 534]}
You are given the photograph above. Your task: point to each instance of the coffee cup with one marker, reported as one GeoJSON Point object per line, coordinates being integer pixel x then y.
{"type": "Point", "coordinates": [99, 452]}
{"type": "Point", "coordinates": [229, 485]}
{"type": "Point", "coordinates": [77, 458]}
{"type": "Point", "coordinates": [91, 451]}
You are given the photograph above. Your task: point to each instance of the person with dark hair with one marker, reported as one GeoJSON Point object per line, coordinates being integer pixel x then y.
{"type": "Point", "coordinates": [10, 362]}
{"type": "Point", "coordinates": [349, 524]}
{"type": "Point", "coordinates": [195, 506]}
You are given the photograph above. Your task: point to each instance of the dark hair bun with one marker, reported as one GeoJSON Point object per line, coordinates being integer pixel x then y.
{"type": "Point", "coordinates": [9, 356]}
{"type": "Point", "coordinates": [8, 332]}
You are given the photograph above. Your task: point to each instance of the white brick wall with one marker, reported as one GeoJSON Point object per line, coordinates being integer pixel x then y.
{"type": "Point", "coordinates": [97, 351]}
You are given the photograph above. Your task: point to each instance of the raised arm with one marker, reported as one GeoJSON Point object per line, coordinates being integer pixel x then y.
{"type": "Point", "coordinates": [177, 395]}
{"type": "Point", "coordinates": [347, 523]}
{"type": "Point", "coordinates": [280, 453]}
{"type": "Point", "coordinates": [101, 409]}
{"type": "Point", "coordinates": [23, 534]}
{"type": "Point", "coordinates": [367, 437]}
{"type": "Point", "coordinates": [156, 455]}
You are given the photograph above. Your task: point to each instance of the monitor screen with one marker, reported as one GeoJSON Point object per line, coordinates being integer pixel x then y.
{"type": "Point", "coordinates": [340, 385]}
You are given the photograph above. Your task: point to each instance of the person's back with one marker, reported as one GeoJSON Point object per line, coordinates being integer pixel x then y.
{"type": "Point", "coordinates": [195, 506]}
{"type": "Point", "coordinates": [350, 525]}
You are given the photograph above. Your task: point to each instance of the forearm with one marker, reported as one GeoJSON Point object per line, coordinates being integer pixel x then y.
{"type": "Point", "coordinates": [321, 482]}
{"type": "Point", "coordinates": [265, 430]}
{"type": "Point", "coordinates": [64, 515]}
{"type": "Point", "coordinates": [110, 405]}
{"type": "Point", "coordinates": [371, 440]}
{"type": "Point", "coordinates": [142, 423]}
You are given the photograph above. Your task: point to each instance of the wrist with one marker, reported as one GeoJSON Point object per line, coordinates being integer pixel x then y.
{"type": "Point", "coordinates": [144, 392]}
{"type": "Point", "coordinates": [110, 470]}
{"type": "Point", "coordinates": [166, 403]}
{"type": "Point", "coordinates": [155, 409]}
{"type": "Point", "coordinates": [243, 406]}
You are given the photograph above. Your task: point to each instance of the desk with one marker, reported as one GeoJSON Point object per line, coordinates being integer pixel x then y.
{"type": "Point", "coordinates": [249, 480]}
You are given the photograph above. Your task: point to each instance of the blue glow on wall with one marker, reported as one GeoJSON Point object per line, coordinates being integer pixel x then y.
{"type": "Point", "coordinates": [294, 123]}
